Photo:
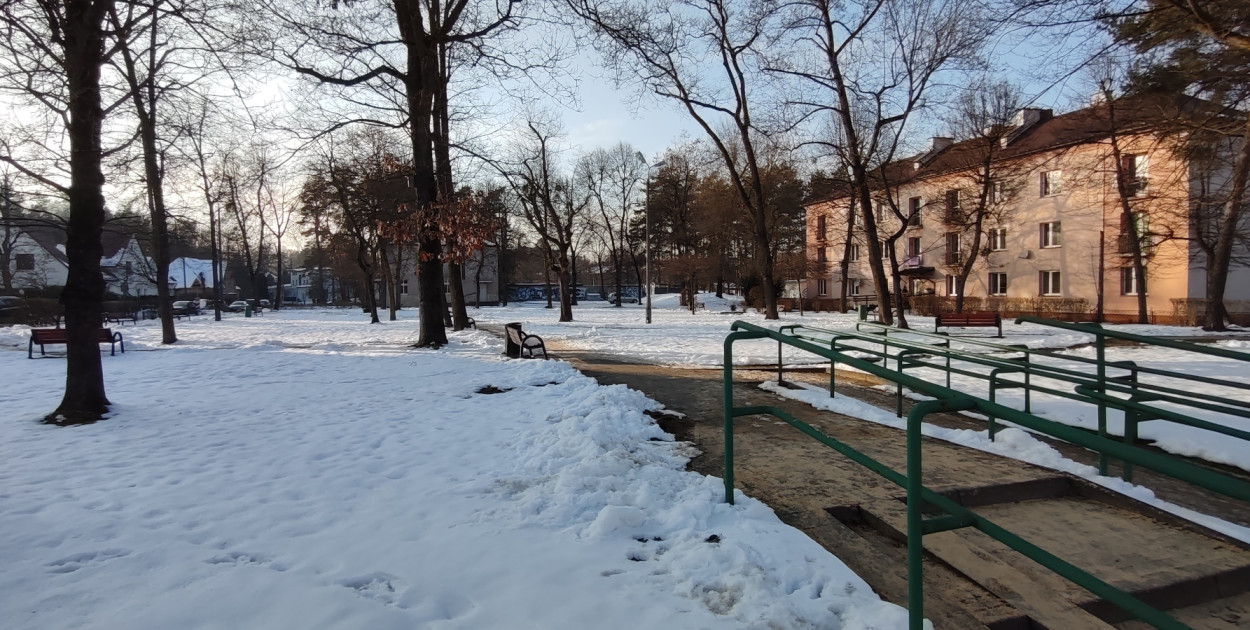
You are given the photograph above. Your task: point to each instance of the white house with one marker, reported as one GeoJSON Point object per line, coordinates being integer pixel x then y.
{"type": "Point", "coordinates": [38, 261]}
{"type": "Point", "coordinates": [195, 276]}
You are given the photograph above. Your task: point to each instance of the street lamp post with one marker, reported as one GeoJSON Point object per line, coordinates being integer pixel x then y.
{"type": "Point", "coordinates": [646, 214]}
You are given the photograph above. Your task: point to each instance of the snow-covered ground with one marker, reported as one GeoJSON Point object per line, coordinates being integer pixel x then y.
{"type": "Point", "coordinates": [677, 337]}
{"type": "Point", "coordinates": [308, 470]}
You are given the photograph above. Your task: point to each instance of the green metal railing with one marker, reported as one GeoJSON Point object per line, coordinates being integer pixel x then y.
{"type": "Point", "coordinates": [955, 516]}
{"type": "Point", "coordinates": [911, 348]}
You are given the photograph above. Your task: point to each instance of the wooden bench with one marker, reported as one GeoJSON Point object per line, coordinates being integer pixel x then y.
{"type": "Point", "coordinates": [469, 321]}
{"type": "Point", "coordinates": [969, 320]}
{"type": "Point", "coordinates": [526, 342]}
{"type": "Point", "coordinates": [119, 318]}
{"type": "Point", "coordinates": [51, 336]}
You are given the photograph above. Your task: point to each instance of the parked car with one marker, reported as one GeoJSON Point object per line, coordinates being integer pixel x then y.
{"type": "Point", "coordinates": [265, 304]}
{"type": "Point", "coordinates": [186, 307]}
{"type": "Point", "coordinates": [625, 299]}
{"type": "Point", "coordinates": [10, 307]}
{"type": "Point", "coordinates": [237, 306]}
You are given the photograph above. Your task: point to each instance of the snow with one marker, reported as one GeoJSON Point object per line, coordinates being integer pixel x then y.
{"type": "Point", "coordinates": [679, 338]}
{"type": "Point", "coordinates": [308, 470]}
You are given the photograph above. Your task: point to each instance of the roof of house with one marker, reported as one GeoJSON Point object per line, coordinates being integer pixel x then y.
{"type": "Point", "coordinates": [50, 237]}
{"type": "Point", "coordinates": [1044, 132]}
{"type": "Point", "coordinates": [113, 239]}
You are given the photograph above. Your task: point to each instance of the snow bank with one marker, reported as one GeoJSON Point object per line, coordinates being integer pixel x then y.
{"type": "Point", "coordinates": [305, 469]}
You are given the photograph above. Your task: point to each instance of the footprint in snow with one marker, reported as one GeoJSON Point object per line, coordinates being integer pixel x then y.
{"type": "Point", "coordinates": [378, 586]}
{"type": "Point", "coordinates": [72, 563]}
{"type": "Point", "coordinates": [239, 558]}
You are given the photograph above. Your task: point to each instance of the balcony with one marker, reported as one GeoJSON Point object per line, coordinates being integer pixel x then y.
{"type": "Point", "coordinates": [1124, 245]}
{"type": "Point", "coordinates": [1137, 187]}
{"type": "Point", "coordinates": [953, 216]}
{"type": "Point", "coordinates": [912, 262]}
{"type": "Point", "coordinates": [954, 258]}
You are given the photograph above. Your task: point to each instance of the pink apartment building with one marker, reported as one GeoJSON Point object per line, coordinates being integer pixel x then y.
{"type": "Point", "coordinates": [1054, 228]}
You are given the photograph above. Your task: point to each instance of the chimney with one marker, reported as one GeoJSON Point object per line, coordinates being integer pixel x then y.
{"type": "Point", "coordinates": [1030, 116]}
{"type": "Point", "coordinates": [936, 146]}
{"type": "Point", "coordinates": [1026, 119]}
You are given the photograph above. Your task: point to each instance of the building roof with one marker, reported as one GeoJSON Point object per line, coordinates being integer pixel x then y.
{"type": "Point", "coordinates": [113, 239]}
{"type": "Point", "coordinates": [1038, 131]}
{"type": "Point", "coordinates": [50, 237]}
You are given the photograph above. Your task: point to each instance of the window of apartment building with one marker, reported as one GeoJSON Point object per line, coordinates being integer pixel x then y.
{"type": "Point", "coordinates": [1050, 235]}
{"type": "Point", "coordinates": [403, 288]}
{"type": "Point", "coordinates": [913, 211]}
{"type": "Point", "coordinates": [916, 286]}
{"type": "Point", "coordinates": [885, 250]}
{"type": "Point", "coordinates": [1048, 283]}
{"type": "Point", "coordinates": [1129, 283]}
{"type": "Point", "coordinates": [853, 252]}
{"type": "Point", "coordinates": [954, 212]}
{"type": "Point", "coordinates": [998, 283]}
{"type": "Point", "coordinates": [880, 212]}
{"type": "Point", "coordinates": [854, 285]}
{"type": "Point", "coordinates": [998, 191]}
{"type": "Point", "coordinates": [1135, 174]}
{"type": "Point", "coordinates": [821, 256]}
{"type": "Point", "coordinates": [953, 254]}
{"type": "Point", "coordinates": [913, 246]}
{"type": "Point", "coordinates": [25, 262]}
{"type": "Point", "coordinates": [822, 224]}
{"type": "Point", "coordinates": [1133, 223]}
{"type": "Point", "coordinates": [952, 286]}
{"type": "Point", "coordinates": [822, 286]}
{"type": "Point", "coordinates": [850, 218]}
{"type": "Point", "coordinates": [1052, 183]}
{"type": "Point", "coordinates": [998, 239]}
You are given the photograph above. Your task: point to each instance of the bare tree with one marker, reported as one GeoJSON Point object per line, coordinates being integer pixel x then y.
{"type": "Point", "coordinates": [280, 205]}
{"type": "Point", "coordinates": [987, 185]}
{"type": "Point", "coordinates": [660, 45]}
{"type": "Point", "coordinates": [195, 125]}
{"type": "Point", "coordinates": [613, 177]}
{"type": "Point", "coordinates": [551, 205]}
{"type": "Point", "coordinates": [872, 63]}
{"type": "Point", "coordinates": [53, 53]}
{"type": "Point", "coordinates": [398, 53]}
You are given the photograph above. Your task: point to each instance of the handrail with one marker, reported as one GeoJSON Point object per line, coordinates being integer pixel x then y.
{"type": "Point", "coordinates": [1099, 331]}
{"type": "Point", "coordinates": [1099, 379]}
{"type": "Point", "coordinates": [957, 516]}
{"type": "Point", "coordinates": [1047, 352]}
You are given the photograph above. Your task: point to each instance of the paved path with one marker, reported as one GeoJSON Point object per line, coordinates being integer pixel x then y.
{"type": "Point", "coordinates": [971, 582]}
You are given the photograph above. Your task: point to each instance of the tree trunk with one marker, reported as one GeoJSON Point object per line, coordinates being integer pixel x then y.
{"type": "Point", "coordinates": [84, 400]}
{"type": "Point", "coordinates": [573, 282]}
{"type": "Point", "coordinates": [564, 277]}
{"type": "Point", "coordinates": [764, 245]}
{"type": "Point", "coordinates": [421, 83]}
{"type": "Point", "coordinates": [547, 281]}
{"type": "Point", "coordinates": [1217, 265]}
{"type": "Point", "coordinates": [388, 281]}
{"type": "Point", "coordinates": [459, 315]}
